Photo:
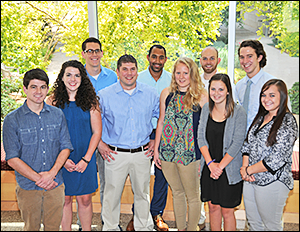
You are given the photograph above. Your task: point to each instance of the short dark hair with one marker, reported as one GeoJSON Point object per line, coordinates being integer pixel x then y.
{"type": "Point", "coordinates": [259, 50]}
{"type": "Point", "coordinates": [159, 47]}
{"type": "Point", "coordinates": [90, 40]}
{"type": "Point", "coordinates": [38, 74]}
{"type": "Point", "coordinates": [126, 59]}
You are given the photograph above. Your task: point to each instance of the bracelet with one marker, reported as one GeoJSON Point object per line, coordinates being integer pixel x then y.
{"type": "Point", "coordinates": [85, 160]}
{"type": "Point", "coordinates": [211, 161]}
{"type": "Point", "coordinates": [247, 171]}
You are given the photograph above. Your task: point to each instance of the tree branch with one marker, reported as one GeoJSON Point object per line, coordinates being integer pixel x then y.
{"type": "Point", "coordinates": [47, 15]}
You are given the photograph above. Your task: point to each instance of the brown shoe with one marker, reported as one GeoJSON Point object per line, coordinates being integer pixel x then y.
{"type": "Point", "coordinates": [159, 223]}
{"type": "Point", "coordinates": [130, 226]}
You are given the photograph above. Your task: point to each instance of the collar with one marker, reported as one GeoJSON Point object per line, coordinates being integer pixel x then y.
{"type": "Point", "coordinates": [103, 71]}
{"type": "Point", "coordinates": [161, 76]}
{"type": "Point", "coordinates": [119, 88]}
{"type": "Point", "coordinates": [256, 78]}
{"type": "Point", "coordinates": [26, 109]}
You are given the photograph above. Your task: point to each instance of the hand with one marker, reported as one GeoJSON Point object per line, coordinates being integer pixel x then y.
{"type": "Point", "coordinates": [105, 151]}
{"type": "Point", "coordinates": [245, 176]}
{"type": "Point", "coordinates": [70, 165]}
{"type": "Point", "coordinates": [81, 166]}
{"type": "Point", "coordinates": [150, 148]}
{"type": "Point", "coordinates": [46, 181]}
{"type": "Point", "coordinates": [215, 170]}
{"type": "Point", "coordinates": [156, 159]}
{"type": "Point", "coordinates": [243, 172]}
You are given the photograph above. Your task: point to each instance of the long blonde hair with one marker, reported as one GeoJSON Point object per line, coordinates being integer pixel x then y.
{"type": "Point", "coordinates": [194, 92]}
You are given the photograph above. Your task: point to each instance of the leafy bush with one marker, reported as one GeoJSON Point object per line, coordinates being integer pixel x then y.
{"type": "Point", "coordinates": [294, 97]}
{"type": "Point", "coordinates": [9, 85]}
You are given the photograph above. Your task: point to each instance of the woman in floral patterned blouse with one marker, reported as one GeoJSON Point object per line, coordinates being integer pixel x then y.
{"type": "Point", "coordinates": [175, 149]}
{"type": "Point", "coordinates": [267, 159]}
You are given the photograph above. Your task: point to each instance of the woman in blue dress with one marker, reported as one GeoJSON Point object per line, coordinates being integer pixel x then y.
{"type": "Point", "coordinates": [74, 94]}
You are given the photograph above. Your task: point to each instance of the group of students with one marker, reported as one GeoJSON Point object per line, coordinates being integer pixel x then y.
{"type": "Point", "coordinates": [238, 139]}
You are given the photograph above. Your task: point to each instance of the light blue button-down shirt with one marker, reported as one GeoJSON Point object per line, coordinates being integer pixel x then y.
{"type": "Point", "coordinates": [257, 83]}
{"type": "Point", "coordinates": [105, 78]}
{"type": "Point", "coordinates": [127, 118]}
{"type": "Point", "coordinates": [163, 82]}
{"type": "Point", "coordinates": [36, 139]}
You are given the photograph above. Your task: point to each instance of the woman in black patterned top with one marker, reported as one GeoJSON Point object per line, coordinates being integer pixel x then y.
{"type": "Point", "coordinates": [267, 159]}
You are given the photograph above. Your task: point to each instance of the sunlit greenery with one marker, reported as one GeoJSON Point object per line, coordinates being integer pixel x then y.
{"type": "Point", "coordinates": [30, 30]}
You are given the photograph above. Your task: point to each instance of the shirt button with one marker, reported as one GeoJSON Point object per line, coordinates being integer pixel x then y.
{"type": "Point", "coordinates": [44, 152]}
{"type": "Point", "coordinates": [42, 140]}
{"type": "Point", "coordinates": [44, 163]}
{"type": "Point", "coordinates": [41, 128]}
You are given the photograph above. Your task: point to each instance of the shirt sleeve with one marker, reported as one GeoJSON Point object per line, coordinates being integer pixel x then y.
{"type": "Point", "coordinates": [239, 132]}
{"type": "Point", "coordinates": [202, 126]}
{"type": "Point", "coordinates": [11, 142]}
{"type": "Point", "coordinates": [282, 149]}
{"type": "Point", "coordinates": [156, 106]}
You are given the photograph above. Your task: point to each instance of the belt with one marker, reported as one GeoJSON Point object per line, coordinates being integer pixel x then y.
{"type": "Point", "coordinates": [141, 148]}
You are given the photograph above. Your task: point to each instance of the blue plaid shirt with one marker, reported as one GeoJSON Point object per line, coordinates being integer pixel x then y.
{"type": "Point", "coordinates": [36, 139]}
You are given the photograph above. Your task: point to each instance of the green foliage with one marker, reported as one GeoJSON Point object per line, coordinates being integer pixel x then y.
{"type": "Point", "coordinates": [23, 36]}
{"type": "Point", "coordinates": [8, 85]}
{"type": "Point", "coordinates": [223, 54]}
{"type": "Point", "coordinates": [281, 18]}
{"type": "Point", "coordinates": [132, 27]}
{"type": "Point", "coordinates": [294, 97]}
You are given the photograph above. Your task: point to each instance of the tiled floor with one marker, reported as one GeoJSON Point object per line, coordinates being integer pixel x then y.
{"type": "Point", "coordinates": [11, 221]}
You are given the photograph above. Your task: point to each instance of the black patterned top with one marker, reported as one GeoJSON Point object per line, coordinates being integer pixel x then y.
{"type": "Point", "coordinates": [276, 158]}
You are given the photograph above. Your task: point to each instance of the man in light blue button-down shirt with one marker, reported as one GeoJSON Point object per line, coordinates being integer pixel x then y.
{"type": "Point", "coordinates": [252, 59]}
{"type": "Point", "coordinates": [127, 108]}
{"type": "Point", "coordinates": [37, 143]}
{"type": "Point", "coordinates": [156, 76]}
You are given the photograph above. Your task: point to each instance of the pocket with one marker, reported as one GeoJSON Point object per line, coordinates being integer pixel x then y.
{"type": "Point", "coordinates": [53, 131]}
{"type": "Point", "coordinates": [29, 136]}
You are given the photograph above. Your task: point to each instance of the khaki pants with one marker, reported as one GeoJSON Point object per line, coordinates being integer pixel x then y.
{"type": "Point", "coordinates": [137, 166]}
{"type": "Point", "coordinates": [184, 183]}
{"type": "Point", "coordinates": [40, 206]}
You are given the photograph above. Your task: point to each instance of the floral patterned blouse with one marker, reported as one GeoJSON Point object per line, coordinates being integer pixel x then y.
{"type": "Point", "coordinates": [276, 158]}
{"type": "Point", "coordinates": [177, 143]}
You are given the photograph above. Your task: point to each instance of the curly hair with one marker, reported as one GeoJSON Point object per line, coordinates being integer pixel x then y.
{"type": "Point", "coordinates": [85, 98]}
{"type": "Point", "coordinates": [193, 95]}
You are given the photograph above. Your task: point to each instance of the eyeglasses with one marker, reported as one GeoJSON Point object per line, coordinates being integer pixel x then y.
{"type": "Point", "coordinates": [91, 51]}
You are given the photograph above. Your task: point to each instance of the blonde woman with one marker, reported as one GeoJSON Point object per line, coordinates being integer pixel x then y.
{"type": "Point", "coordinates": [176, 151]}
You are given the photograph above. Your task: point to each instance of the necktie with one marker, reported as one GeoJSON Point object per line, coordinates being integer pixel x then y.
{"type": "Point", "coordinates": [246, 96]}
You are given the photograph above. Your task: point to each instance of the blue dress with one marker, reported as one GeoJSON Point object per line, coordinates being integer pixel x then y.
{"type": "Point", "coordinates": [79, 125]}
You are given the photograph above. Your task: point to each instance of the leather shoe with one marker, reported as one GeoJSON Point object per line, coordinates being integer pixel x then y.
{"type": "Point", "coordinates": [159, 223]}
{"type": "Point", "coordinates": [130, 226]}
{"type": "Point", "coordinates": [201, 226]}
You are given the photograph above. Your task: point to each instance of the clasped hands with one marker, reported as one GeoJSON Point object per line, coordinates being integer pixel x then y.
{"type": "Point", "coordinates": [245, 176]}
{"type": "Point", "coordinates": [215, 170]}
{"type": "Point", "coordinates": [46, 181]}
